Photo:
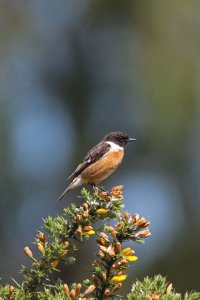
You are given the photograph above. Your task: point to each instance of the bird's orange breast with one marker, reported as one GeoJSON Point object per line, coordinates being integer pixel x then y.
{"type": "Point", "coordinates": [102, 168]}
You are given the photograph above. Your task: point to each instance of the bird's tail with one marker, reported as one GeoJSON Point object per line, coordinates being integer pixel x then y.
{"type": "Point", "coordinates": [64, 193]}
{"type": "Point", "coordinates": [75, 183]}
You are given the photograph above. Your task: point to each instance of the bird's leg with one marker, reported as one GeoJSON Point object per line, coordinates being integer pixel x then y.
{"type": "Point", "coordinates": [98, 189]}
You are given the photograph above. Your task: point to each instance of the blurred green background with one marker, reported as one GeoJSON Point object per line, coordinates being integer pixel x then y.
{"type": "Point", "coordinates": [70, 71]}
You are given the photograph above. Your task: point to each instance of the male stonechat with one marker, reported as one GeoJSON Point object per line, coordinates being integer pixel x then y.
{"type": "Point", "coordinates": [100, 162]}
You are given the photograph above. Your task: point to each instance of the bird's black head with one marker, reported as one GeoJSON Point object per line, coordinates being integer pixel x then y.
{"type": "Point", "coordinates": [118, 137]}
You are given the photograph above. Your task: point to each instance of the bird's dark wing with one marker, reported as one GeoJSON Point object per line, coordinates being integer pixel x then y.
{"type": "Point", "coordinates": [92, 156]}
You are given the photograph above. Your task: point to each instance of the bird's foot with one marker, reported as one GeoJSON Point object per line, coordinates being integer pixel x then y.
{"type": "Point", "coordinates": [99, 189]}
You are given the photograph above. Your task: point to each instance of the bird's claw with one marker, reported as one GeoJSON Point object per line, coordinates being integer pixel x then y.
{"type": "Point", "coordinates": [99, 189]}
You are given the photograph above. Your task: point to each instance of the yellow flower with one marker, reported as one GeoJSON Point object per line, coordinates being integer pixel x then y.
{"type": "Point", "coordinates": [101, 211]}
{"type": "Point", "coordinates": [131, 258]}
{"type": "Point", "coordinates": [127, 251]}
{"type": "Point", "coordinates": [118, 278]}
{"type": "Point", "coordinates": [90, 232]}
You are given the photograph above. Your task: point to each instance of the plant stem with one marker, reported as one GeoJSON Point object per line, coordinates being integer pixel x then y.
{"type": "Point", "coordinates": [107, 282]}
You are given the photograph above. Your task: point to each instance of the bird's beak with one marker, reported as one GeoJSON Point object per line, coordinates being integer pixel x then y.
{"type": "Point", "coordinates": [131, 140]}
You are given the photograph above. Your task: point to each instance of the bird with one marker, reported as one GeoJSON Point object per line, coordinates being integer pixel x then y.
{"type": "Point", "coordinates": [100, 162]}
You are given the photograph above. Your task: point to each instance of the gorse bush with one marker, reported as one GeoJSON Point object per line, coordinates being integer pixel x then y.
{"type": "Point", "coordinates": [59, 240]}
{"type": "Point", "coordinates": [157, 288]}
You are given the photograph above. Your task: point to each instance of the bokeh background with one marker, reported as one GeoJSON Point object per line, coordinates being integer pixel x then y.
{"type": "Point", "coordinates": [70, 71]}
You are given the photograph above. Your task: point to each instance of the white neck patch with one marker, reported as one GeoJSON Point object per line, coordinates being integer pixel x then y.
{"type": "Point", "coordinates": [114, 147]}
